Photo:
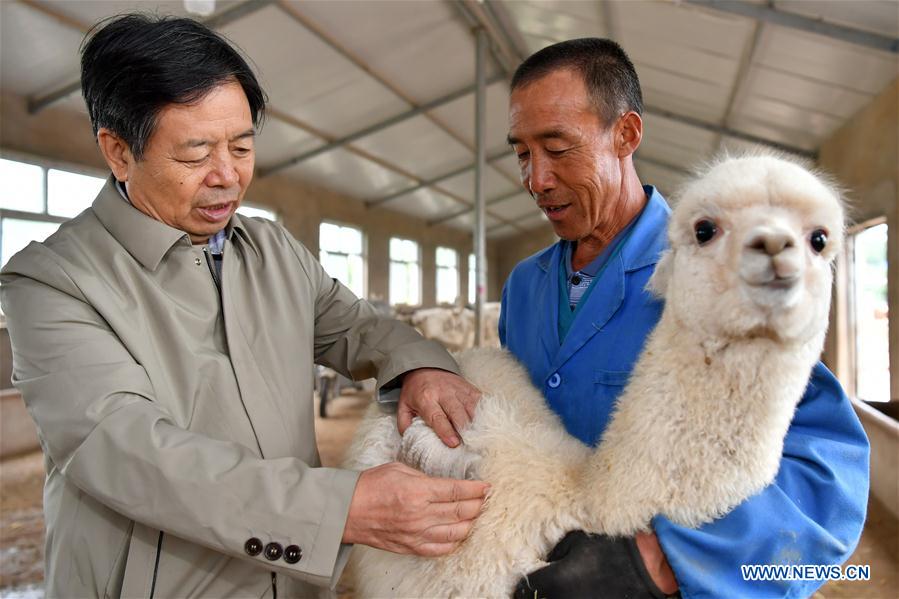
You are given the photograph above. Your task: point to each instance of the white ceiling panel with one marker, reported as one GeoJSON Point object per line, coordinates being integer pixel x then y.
{"type": "Point", "coordinates": [515, 207]}
{"type": "Point", "coordinates": [736, 147]}
{"type": "Point", "coordinates": [418, 146]}
{"type": "Point", "coordinates": [466, 221]}
{"type": "Point", "coordinates": [675, 142]}
{"type": "Point", "coordinates": [784, 99]}
{"type": "Point", "coordinates": [782, 133]}
{"type": "Point", "coordinates": [91, 11]}
{"type": "Point", "coordinates": [459, 115]}
{"type": "Point", "coordinates": [346, 173]}
{"type": "Point", "coordinates": [279, 141]}
{"type": "Point", "coordinates": [878, 16]}
{"type": "Point", "coordinates": [665, 180]}
{"type": "Point", "coordinates": [829, 61]}
{"type": "Point", "coordinates": [37, 53]}
{"type": "Point", "coordinates": [424, 203]}
{"type": "Point", "coordinates": [538, 219]}
{"type": "Point", "coordinates": [74, 102]}
{"type": "Point", "coordinates": [411, 43]}
{"type": "Point", "coordinates": [463, 185]}
{"type": "Point", "coordinates": [509, 166]}
{"type": "Point", "coordinates": [680, 26]}
{"type": "Point", "coordinates": [503, 232]}
{"type": "Point", "coordinates": [556, 20]}
{"type": "Point", "coordinates": [307, 79]}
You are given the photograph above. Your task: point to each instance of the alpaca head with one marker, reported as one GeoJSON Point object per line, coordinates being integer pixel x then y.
{"type": "Point", "coordinates": [752, 242]}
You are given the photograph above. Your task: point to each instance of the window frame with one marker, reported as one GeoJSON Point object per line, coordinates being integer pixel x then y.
{"type": "Point", "coordinates": [438, 268]}
{"type": "Point", "coordinates": [45, 164]}
{"type": "Point", "coordinates": [418, 264]}
{"type": "Point", "coordinates": [848, 295]}
{"type": "Point", "coordinates": [364, 255]}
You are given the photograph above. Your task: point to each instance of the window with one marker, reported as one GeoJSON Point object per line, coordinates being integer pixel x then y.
{"type": "Point", "coordinates": [405, 272]}
{"type": "Point", "coordinates": [447, 275]}
{"type": "Point", "coordinates": [341, 255]}
{"type": "Point", "coordinates": [868, 313]}
{"type": "Point", "coordinates": [472, 280]}
{"type": "Point", "coordinates": [35, 200]}
{"type": "Point", "coordinates": [23, 186]}
{"type": "Point", "coordinates": [68, 194]}
{"type": "Point", "coordinates": [250, 210]}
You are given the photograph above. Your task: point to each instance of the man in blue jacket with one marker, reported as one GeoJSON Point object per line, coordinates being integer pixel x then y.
{"type": "Point", "coordinates": [574, 122]}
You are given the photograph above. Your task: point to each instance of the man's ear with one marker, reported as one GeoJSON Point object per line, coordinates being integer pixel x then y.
{"type": "Point", "coordinates": [116, 152]}
{"type": "Point", "coordinates": [658, 282]}
{"type": "Point", "coordinates": [630, 133]}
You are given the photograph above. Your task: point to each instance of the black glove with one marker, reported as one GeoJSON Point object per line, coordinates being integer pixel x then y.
{"type": "Point", "coordinates": [590, 566]}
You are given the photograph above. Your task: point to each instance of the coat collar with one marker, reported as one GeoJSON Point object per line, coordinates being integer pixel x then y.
{"type": "Point", "coordinates": [145, 238]}
{"type": "Point", "coordinates": [642, 248]}
{"type": "Point", "coordinates": [646, 241]}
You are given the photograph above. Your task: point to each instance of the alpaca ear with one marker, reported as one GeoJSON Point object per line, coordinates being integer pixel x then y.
{"type": "Point", "coordinates": [658, 282]}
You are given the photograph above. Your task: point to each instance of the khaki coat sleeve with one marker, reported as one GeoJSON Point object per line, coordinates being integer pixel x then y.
{"type": "Point", "coordinates": [102, 425]}
{"type": "Point", "coordinates": [353, 339]}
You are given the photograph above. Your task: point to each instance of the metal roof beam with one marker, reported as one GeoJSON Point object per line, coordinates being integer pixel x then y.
{"type": "Point", "coordinates": [662, 164]}
{"type": "Point", "coordinates": [375, 128]}
{"type": "Point", "coordinates": [429, 182]}
{"type": "Point", "coordinates": [783, 18]}
{"type": "Point", "coordinates": [216, 21]}
{"type": "Point", "coordinates": [447, 217]}
{"type": "Point", "coordinates": [722, 130]}
{"type": "Point", "coordinates": [502, 48]}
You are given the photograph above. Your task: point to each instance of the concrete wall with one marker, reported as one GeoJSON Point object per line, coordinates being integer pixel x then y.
{"type": "Point", "coordinates": [62, 135]}
{"type": "Point", "coordinates": [864, 156]}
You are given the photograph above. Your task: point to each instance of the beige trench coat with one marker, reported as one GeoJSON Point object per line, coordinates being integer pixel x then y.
{"type": "Point", "coordinates": [177, 420]}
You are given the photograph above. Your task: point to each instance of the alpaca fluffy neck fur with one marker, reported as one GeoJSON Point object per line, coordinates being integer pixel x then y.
{"type": "Point", "coordinates": [716, 411]}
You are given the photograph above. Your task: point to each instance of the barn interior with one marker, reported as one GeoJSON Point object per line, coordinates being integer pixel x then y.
{"type": "Point", "coordinates": [384, 151]}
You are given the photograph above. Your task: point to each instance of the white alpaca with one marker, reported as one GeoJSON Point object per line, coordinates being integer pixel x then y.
{"type": "Point", "coordinates": [700, 426]}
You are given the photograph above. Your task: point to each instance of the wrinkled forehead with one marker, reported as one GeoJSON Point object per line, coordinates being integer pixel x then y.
{"type": "Point", "coordinates": [759, 184]}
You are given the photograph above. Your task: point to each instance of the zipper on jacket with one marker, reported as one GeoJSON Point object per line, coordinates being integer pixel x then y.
{"type": "Point", "coordinates": [274, 586]}
{"type": "Point", "coordinates": [156, 565]}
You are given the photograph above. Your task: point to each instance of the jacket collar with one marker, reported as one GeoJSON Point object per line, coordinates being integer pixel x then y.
{"type": "Point", "coordinates": [145, 238]}
{"type": "Point", "coordinates": [646, 241]}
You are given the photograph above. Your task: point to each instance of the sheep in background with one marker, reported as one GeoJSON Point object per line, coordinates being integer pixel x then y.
{"type": "Point", "coordinates": [747, 287]}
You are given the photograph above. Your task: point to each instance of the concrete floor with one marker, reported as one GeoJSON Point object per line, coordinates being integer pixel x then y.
{"type": "Point", "coordinates": [21, 524]}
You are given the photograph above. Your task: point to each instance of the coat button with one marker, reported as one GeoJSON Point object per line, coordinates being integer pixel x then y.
{"type": "Point", "coordinates": [292, 554]}
{"type": "Point", "coordinates": [253, 546]}
{"type": "Point", "coordinates": [554, 381]}
{"type": "Point", "coordinates": [197, 261]}
{"type": "Point", "coordinates": [273, 551]}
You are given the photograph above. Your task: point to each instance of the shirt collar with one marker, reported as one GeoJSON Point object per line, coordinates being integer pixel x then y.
{"type": "Point", "coordinates": [647, 240]}
{"type": "Point", "coordinates": [145, 238]}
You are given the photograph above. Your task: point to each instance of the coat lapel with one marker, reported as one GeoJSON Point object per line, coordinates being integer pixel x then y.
{"type": "Point", "coordinates": [549, 331]}
{"type": "Point", "coordinates": [601, 304]}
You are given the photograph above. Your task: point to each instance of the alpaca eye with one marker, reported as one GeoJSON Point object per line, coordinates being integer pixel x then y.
{"type": "Point", "coordinates": [818, 240]}
{"type": "Point", "coordinates": [704, 230]}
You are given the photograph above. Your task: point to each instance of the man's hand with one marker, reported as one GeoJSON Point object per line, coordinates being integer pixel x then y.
{"type": "Point", "coordinates": [656, 563]}
{"type": "Point", "coordinates": [445, 401]}
{"type": "Point", "coordinates": [402, 510]}
{"type": "Point", "coordinates": [583, 565]}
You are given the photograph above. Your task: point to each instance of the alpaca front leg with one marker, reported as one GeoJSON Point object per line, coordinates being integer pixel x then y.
{"type": "Point", "coordinates": [376, 442]}
{"type": "Point", "coordinates": [422, 449]}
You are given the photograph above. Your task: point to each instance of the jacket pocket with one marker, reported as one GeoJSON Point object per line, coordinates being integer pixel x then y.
{"type": "Point", "coordinates": [141, 563]}
{"type": "Point", "coordinates": [611, 377]}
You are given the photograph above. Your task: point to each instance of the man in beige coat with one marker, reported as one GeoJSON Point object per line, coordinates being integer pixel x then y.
{"type": "Point", "coordinates": [164, 347]}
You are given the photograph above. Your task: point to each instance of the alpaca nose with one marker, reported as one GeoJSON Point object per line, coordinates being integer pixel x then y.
{"type": "Point", "coordinates": [770, 240]}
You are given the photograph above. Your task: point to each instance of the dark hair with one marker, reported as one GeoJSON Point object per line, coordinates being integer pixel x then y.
{"type": "Point", "coordinates": [608, 73]}
{"type": "Point", "coordinates": [134, 65]}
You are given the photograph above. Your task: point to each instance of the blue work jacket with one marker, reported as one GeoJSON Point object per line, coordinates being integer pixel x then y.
{"type": "Point", "coordinates": [812, 513]}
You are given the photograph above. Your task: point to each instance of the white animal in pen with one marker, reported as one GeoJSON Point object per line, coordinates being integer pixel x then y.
{"type": "Point", "coordinates": [700, 426]}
